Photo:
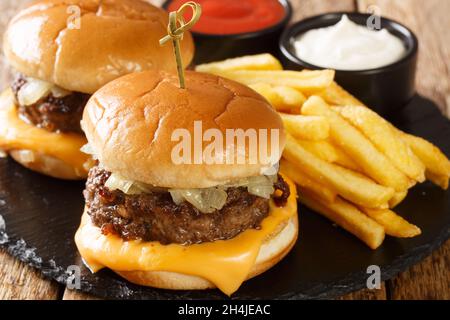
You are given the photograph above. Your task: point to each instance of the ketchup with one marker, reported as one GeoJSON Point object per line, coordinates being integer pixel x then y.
{"type": "Point", "coordinates": [234, 16]}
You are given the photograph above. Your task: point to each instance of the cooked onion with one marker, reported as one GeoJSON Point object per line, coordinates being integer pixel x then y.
{"type": "Point", "coordinates": [177, 196]}
{"type": "Point", "coordinates": [26, 156]}
{"type": "Point", "coordinates": [33, 91]}
{"type": "Point", "coordinates": [59, 92]}
{"type": "Point", "coordinates": [261, 186]}
{"type": "Point", "coordinates": [89, 164]}
{"type": "Point", "coordinates": [139, 187]}
{"type": "Point", "coordinates": [87, 148]}
{"type": "Point", "coordinates": [3, 154]}
{"type": "Point", "coordinates": [261, 191]}
{"type": "Point", "coordinates": [117, 182]}
{"type": "Point", "coordinates": [205, 200]}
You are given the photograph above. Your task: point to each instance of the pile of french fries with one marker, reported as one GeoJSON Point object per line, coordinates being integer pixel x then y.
{"type": "Point", "coordinates": [350, 165]}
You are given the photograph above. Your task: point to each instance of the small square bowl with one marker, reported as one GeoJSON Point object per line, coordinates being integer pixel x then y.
{"type": "Point", "coordinates": [384, 89]}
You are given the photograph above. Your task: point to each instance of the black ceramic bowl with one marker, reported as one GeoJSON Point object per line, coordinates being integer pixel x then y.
{"type": "Point", "coordinates": [384, 89]}
{"type": "Point", "coordinates": [210, 48]}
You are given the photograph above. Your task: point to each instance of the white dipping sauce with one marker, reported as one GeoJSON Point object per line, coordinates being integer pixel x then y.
{"type": "Point", "coordinates": [349, 46]}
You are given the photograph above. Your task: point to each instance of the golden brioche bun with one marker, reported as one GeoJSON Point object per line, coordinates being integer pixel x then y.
{"type": "Point", "coordinates": [115, 37]}
{"type": "Point", "coordinates": [129, 124]}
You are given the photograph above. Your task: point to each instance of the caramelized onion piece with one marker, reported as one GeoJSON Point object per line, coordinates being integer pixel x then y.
{"type": "Point", "coordinates": [33, 91]}
{"type": "Point", "coordinates": [59, 92]}
{"type": "Point", "coordinates": [206, 200]}
{"type": "Point", "coordinates": [26, 156]}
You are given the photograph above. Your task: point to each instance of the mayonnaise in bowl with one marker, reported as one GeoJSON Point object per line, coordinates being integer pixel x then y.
{"type": "Point", "coordinates": [349, 46]}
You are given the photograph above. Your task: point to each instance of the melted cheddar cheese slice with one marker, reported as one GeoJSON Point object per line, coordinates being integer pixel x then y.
{"type": "Point", "coordinates": [226, 263]}
{"type": "Point", "coordinates": [16, 134]}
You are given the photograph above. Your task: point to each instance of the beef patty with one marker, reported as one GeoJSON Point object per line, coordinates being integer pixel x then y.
{"type": "Point", "coordinates": [53, 114]}
{"type": "Point", "coordinates": [155, 217]}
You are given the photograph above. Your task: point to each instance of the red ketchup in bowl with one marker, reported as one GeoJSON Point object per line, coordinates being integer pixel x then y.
{"type": "Point", "coordinates": [222, 17]}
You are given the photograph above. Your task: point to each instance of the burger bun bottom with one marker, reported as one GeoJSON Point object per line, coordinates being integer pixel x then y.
{"type": "Point", "coordinates": [47, 165]}
{"type": "Point", "coordinates": [272, 251]}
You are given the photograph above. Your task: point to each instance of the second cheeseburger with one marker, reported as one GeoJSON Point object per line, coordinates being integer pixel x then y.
{"type": "Point", "coordinates": [61, 52]}
{"type": "Point", "coordinates": [161, 223]}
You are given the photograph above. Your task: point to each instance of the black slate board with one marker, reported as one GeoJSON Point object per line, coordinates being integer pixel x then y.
{"type": "Point", "coordinates": [42, 215]}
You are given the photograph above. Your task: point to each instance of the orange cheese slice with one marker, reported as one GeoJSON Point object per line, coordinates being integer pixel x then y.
{"type": "Point", "coordinates": [16, 134]}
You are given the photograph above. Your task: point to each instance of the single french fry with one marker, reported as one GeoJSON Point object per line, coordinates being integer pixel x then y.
{"type": "Point", "coordinates": [441, 181]}
{"type": "Point", "coordinates": [322, 149]}
{"type": "Point", "coordinates": [433, 158]}
{"type": "Point", "coordinates": [356, 145]}
{"type": "Point", "coordinates": [397, 198]}
{"type": "Point", "coordinates": [343, 159]}
{"type": "Point", "coordinates": [277, 101]}
{"type": "Point", "coordinates": [325, 150]}
{"type": "Point", "coordinates": [385, 139]}
{"type": "Point", "coordinates": [283, 99]}
{"type": "Point", "coordinates": [263, 61]}
{"type": "Point", "coordinates": [348, 217]}
{"type": "Point", "coordinates": [335, 95]}
{"type": "Point", "coordinates": [306, 127]}
{"type": "Point", "coordinates": [393, 224]}
{"type": "Point", "coordinates": [305, 81]}
{"type": "Point", "coordinates": [301, 179]}
{"type": "Point", "coordinates": [291, 97]}
{"type": "Point", "coordinates": [350, 185]}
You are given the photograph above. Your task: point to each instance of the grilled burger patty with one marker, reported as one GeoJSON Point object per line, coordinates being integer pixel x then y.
{"type": "Point", "coordinates": [53, 114]}
{"type": "Point", "coordinates": [155, 217]}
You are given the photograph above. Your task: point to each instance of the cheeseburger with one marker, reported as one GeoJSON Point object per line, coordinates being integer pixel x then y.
{"type": "Point", "coordinates": [62, 51]}
{"type": "Point", "coordinates": [165, 223]}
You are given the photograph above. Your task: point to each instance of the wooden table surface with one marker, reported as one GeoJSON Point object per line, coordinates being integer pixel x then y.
{"type": "Point", "coordinates": [430, 279]}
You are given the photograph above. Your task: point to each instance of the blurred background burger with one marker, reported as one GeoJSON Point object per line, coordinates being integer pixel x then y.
{"type": "Point", "coordinates": [62, 51]}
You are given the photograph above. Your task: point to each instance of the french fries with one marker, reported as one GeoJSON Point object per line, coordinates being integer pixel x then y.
{"type": "Point", "coordinates": [385, 139]}
{"type": "Point", "coordinates": [325, 150]}
{"type": "Point", "coordinates": [295, 173]}
{"type": "Point", "coordinates": [436, 163]}
{"type": "Point", "coordinates": [283, 99]}
{"type": "Point", "coordinates": [397, 198]}
{"type": "Point", "coordinates": [263, 61]}
{"type": "Point", "coordinates": [335, 95]}
{"type": "Point", "coordinates": [347, 183]}
{"type": "Point", "coordinates": [305, 81]}
{"type": "Point", "coordinates": [354, 143]}
{"type": "Point", "coordinates": [348, 217]}
{"type": "Point", "coordinates": [322, 149]}
{"type": "Point", "coordinates": [350, 165]}
{"type": "Point", "coordinates": [439, 180]}
{"type": "Point", "coordinates": [344, 160]}
{"type": "Point", "coordinates": [306, 128]}
{"type": "Point", "coordinates": [393, 224]}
